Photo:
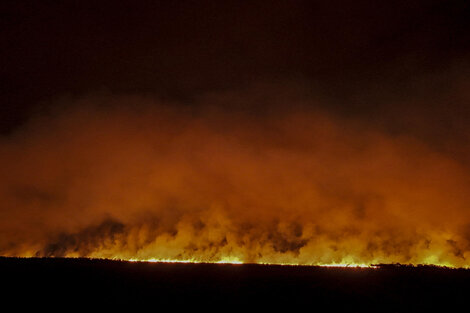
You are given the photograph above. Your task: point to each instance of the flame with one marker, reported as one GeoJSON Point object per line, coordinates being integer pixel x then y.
{"type": "Point", "coordinates": [238, 262]}
{"type": "Point", "coordinates": [291, 188]}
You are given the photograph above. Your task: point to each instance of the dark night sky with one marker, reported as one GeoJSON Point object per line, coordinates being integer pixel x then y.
{"type": "Point", "coordinates": [365, 56]}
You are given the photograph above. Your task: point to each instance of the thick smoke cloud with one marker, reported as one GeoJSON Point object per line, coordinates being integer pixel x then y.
{"type": "Point", "coordinates": [135, 177]}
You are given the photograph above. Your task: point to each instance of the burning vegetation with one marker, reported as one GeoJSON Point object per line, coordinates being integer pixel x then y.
{"type": "Point", "coordinates": [136, 179]}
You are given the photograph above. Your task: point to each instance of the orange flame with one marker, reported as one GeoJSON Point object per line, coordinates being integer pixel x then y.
{"type": "Point", "coordinates": [175, 185]}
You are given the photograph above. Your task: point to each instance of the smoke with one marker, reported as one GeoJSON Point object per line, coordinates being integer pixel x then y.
{"type": "Point", "coordinates": [249, 176]}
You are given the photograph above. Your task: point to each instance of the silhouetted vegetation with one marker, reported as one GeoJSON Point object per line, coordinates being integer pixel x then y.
{"type": "Point", "coordinates": [389, 287]}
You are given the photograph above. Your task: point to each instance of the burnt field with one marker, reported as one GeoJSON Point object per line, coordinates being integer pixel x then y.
{"type": "Point", "coordinates": [387, 288]}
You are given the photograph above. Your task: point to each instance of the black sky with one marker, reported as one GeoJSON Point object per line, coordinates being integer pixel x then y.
{"type": "Point", "coordinates": [367, 57]}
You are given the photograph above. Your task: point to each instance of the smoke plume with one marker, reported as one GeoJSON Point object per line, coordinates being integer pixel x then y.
{"type": "Point", "coordinates": [227, 179]}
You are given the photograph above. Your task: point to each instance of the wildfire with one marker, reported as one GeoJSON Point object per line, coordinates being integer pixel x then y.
{"type": "Point", "coordinates": [237, 262]}
{"type": "Point", "coordinates": [172, 186]}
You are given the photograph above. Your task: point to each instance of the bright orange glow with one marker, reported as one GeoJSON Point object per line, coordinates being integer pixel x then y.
{"type": "Point", "coordinates": [172, 185]}
{"type": "Point", "coordinates": [235, 262]}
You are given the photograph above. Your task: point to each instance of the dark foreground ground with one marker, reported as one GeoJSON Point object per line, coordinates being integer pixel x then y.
{"type": "Point", "coordinates": [48, 282]}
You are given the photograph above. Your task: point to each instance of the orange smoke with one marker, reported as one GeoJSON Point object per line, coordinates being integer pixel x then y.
{"type": "Point", "coordinates": [135, 179]}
